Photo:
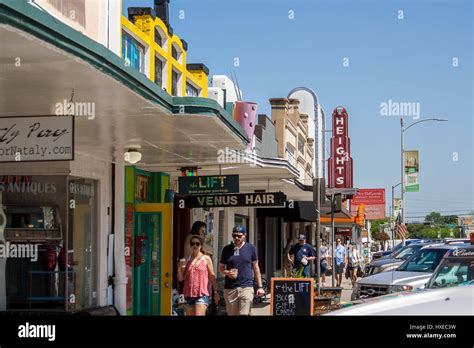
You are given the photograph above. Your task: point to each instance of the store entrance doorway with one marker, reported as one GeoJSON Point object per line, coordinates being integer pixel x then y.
{"type": "Point", "coordinates": [151, 260]}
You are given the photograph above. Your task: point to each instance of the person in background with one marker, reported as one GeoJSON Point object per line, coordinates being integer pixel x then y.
{"type": "Point", "coordinates": [286, 258]}
{"type": "Point", "coordinates": [302, 253]}
{"type": "Point", "coordinates": [340, 261]}
{"type": "Point", "coordinates": [353, 257]}
{"type": "Point", "coordinates": [323, 255]}
{"type": "Point", "coordinates": [239, 265]}
{"type": "Point", "coordinates": [197, 272]}
{"type": "Point", "coordinates": [366, 254]}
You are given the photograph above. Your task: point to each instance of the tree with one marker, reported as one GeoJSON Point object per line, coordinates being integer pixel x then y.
{"type": "Point", "coordinates": [434, 218]}
{"type": "Point", "coordinates": [451, 219]}
{"type": "Point", "coordinates": [415, 231]}
{"type": "Point", "coordinates": [420, 231]}
{"type": "Point", "coordinates": [375, 228]}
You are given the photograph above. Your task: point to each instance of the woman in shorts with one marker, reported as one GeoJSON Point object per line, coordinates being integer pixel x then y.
{"type": "Point", "coordinates": [354, 262]}
{"type": "Point", "coordinates": [197, 272]}
{"type": "Point", "coordinates": [323, 254]}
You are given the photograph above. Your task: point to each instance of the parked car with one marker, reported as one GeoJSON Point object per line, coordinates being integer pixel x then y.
{"type": "Point", "coordinates": [380, 254]}
{"type": "Point", "coordinates": [456, 268]}
{"type": "Point", "coordinates": [412, 274]}
{"type": "Point", "coordinates": [449, 291]}
{"type": "Point", "coordinates": [446, 301]}
{"type": "Point", "coordinates": [393, 261]}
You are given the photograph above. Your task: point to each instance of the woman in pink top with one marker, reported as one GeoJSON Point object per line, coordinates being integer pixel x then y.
{"type": "Point", "coordinates": [196, 273]}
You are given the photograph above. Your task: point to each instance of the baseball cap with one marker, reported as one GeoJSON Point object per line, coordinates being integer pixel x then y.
{"type": "Point", "coordinates": [302, 237]}
{"type": "Point", "coordinates": [239, 229]}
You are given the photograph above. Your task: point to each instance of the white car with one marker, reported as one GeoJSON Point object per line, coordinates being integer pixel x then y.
{"type": "Point", "coordinates": [457, 300]}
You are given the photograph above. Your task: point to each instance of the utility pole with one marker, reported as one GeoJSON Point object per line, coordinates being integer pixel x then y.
{"type": "Point", "coordinates": [392, 212]}
{"type": "Point", "coordinates": [402, 171]}
{"type": "Point", "coordinates": [402, 131]}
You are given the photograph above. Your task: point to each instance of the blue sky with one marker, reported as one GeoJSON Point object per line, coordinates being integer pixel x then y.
{"type": "Point", "coordinates": [405, 60]}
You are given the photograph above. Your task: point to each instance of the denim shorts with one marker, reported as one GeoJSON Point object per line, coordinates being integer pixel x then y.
{"type": "Point", "coordinates": [323, 266]}
{"type": "Point", "coordinates": [340, 268]}
{"type": "Point", "coordinates": [203, 300]}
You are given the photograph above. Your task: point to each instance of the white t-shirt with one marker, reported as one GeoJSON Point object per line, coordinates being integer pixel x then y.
{"type": "Point", "coordinates": [353, 256]}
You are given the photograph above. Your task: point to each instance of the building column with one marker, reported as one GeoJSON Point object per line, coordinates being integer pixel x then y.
{"type": "Point", "coordinates": [120, 279]}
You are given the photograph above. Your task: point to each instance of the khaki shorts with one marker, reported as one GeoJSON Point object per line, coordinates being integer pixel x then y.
{"type": "Point", "coordinates": [238, 301]}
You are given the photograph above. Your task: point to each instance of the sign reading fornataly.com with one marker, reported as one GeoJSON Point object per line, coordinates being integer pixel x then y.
{"type": "Point", "coordinates": [36, 138]}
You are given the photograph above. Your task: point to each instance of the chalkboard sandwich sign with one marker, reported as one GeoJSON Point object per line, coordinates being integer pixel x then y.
{"type": "Point", "coordinates": [292, 296]}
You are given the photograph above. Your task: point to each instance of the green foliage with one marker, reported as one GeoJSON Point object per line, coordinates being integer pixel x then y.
{"type": "Point", "coordinates": [375, 228]}
{"type": "Point", "coordinates": [435, 218]}
{"type": "Point", "coordinates": [425, 232]}
{"type": "Point", "coordinates": [451, 219]}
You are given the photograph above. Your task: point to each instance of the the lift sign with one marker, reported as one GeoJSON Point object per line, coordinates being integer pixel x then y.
{"type": "Point", "coordinates": [208, 184]}
{"type": "Point", "coordinates": [267, 199]}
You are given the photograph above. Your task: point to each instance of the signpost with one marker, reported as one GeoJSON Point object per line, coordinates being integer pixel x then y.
{"type": "Point", "coordinates": [211, 184]}
{"type": "Point", "coordinates": [36, 138]}
{"type": "Point", "coordinates": [332, 192]}
{"type": "Point", "coordinates": [292, 296]}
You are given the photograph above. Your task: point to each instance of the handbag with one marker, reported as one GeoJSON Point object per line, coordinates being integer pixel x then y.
{"type": "Point", "coordinates": [359, 272]}
{"type": "Point", "coordinates": [348, 273]}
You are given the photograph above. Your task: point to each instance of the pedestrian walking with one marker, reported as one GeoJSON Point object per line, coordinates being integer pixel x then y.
{"type": "Point", "coordinates": [301, 254]}
{"type": "Point", "coordinates": [340, 258]}
{"type": "Point", "coordinates": [323, 255]}
{"type": "Point", "coordinates": [366, 254]}
{"type": "Point", "coordinates": [353, 262]}
{"type": "Point", "coordinates": [239, 265]}
{"type": "Point", "coordinates": [197, 272]}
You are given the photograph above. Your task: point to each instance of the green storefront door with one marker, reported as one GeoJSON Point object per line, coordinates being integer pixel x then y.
{"type": "Point", "coordinates": [146, 270]}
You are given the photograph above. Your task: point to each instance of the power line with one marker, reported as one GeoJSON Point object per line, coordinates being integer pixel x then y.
{"type": "Point", "coordinates": [422, 217]}
{"type": "Point", "coordinates": [442, 211]}
{"type": "Point", "coordinates": [434, 200]}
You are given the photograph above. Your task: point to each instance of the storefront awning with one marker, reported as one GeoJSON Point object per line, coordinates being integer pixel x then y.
{"type": "Point", "coordinates": [47, 64]}
{"type": "Point", "coordinates": [305, 211]}
{"type": "Point", "coordinates": [301, 211]}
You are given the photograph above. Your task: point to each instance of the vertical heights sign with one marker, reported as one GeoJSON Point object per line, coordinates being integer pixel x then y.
{"type": "Point", "coordinates": [340, 162]}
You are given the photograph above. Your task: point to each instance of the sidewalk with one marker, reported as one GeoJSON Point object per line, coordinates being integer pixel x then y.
{"type": "Point", "coordinates": [264, 307]}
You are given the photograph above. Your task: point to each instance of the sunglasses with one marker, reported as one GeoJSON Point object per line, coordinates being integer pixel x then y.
{"type": "Point", "coordinates": [237, 236]}
{"type": "Point", "coordinates": [195, 243]}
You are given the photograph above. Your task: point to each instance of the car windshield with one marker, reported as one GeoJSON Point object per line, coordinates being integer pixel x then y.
{"type": "Point", "coordinates": [397, 247]}
{"type": "Point", "coordinates": [426, 260]}
{"type": "Point", "coordinates": [453, 272]}
{"type": "Point", "coordinates": [405, 252]}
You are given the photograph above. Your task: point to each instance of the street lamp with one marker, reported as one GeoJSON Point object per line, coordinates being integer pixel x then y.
{"type": "Point", "coordinates": [318, 179]}
{"type": "Point", "coordinates": [402, 131]}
